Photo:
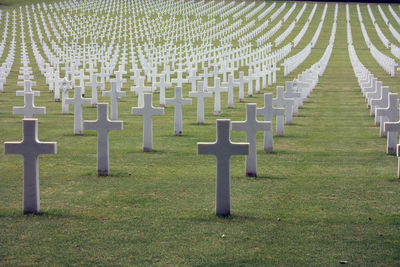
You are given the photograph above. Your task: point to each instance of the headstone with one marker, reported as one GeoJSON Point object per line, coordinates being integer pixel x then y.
{"type": "Point", "coordinates": [281, 101]}
{"type": "Point", "coordinates": [103, 125]}
{"type": "Point", "coordinates": [94, 84]}
{"type": "Point", "coordinates": [114, 94]}
{"type": "Point", "coordinates": [147, 111]}
{"type": "Point", "coordinates": [251, 126]}
{"type": "Point", "coordinates": [389, 114]}
{"type": "Point", "coordinates": [178, 102]}
{"type": "Point", "coordinates": [217, 89]}
{"type": "Point", "coordinates": [223, 149]}
{"type": "Point", "coordinates": [65, 86]}
{"type": "Point", "coordinates": [30, 147]}
{"type": "Point", "coordinates": [78, 101]}
{"type": "Point", "coordinates": [200, 95]}
{"type": "Point", "coordinates": [29, 109]}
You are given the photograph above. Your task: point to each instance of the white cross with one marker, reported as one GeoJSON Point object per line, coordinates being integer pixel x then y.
{"type": "Point", "coordinates": [391, 114]}
{"type": "Point", "coordinates": [223, 149]}
{"type": "Point", "coordinates": [103, 125]}
{"type": "Point", "coordinates": [291, 93]}
{"type": "Point", "coordinates": [162, 84]}
{"type": "Point", "coordinates": [200, 95]}
{"type": "Point", "coordinates": [268, 111]}
{"type": "Point", "coordinates": [139, 90]}
{"type": "Point", "coordinates": [30, 147]}
{"type": "Point", "coordinates": [29, 109]}
{"type": "Point", "coordinates": [168, 72]}
{"type": "Point", "coordinates": [251, 126]}
{"type": "Point", "coordinates": [193, 80]}
{"type": "Point", "coordinates": [78, 101]}
{"type": "Point", "coordinates": [57, 81]}
{"type": "Point", "coordinates": [179, 80]}
{"type": "Point", "coordinates": [94, 84]}
{"type": "Point", "coordinates": [27, 84]}
{"type": "Point", "coordinates": [114, 94]}
{"type": "Point", "coordinates": [241, 81]}
{"type": "Point", "coordinates": [178, 102]}
{"type": "Point", "coordinates": [217, 89]}
{"type": "Point", "coordinates": [230, 84]}
{"type": "Point", "coordinates": [205, 77]}
{"type": "Point", "coordinates": [147, 111]}
{"type": "Point", "coordinates": [281, 101]}
{"type": "Point", "coordinates": [65, 86]}
{"type": "Point", "coordinates": [82, 77]}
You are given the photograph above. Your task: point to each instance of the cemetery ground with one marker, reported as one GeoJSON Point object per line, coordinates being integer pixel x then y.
{"type": "Point", "coordinates": [328, 192]}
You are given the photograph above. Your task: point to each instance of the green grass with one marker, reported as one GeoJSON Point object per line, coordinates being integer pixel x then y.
{"type": "Point", "coordinates": [328, 193]}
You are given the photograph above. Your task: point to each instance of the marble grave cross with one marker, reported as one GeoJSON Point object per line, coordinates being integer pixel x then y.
{"type": "Point", "coordinates": [268, 111]}
{"type": "Point", "coordinates": [223, 149]}
{"type": "Point", "coordinates": [29, 109]}
{"type": "Point", "coordinates": [78, 101]}
{"type": "Point", "coordinates": [147, 111]}
{"type": "Point", "coordinates": [30, 148]}
{"type": "Point", "coordinates": [178, 102]}
{"type": "Point", "coordinates": [114, 94]}
{"type": "Point", "coordinates": [217, 89]}
{"type": "Point", "coordinates": [103, 125]}
{"type": "Point", "coordinates": [281, 101]}
{"type": "Point", "coordinates": [251, 126]}
{"type": "Point", "coordinates": [65, 86]}
{"type": "Point", "coordinates": [200, 95]}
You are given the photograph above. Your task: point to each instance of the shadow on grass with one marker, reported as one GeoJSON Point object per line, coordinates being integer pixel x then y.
{"type": "Point", "coordinates": [201, 124]}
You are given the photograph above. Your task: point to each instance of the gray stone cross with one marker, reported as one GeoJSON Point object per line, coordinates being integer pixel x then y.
{"type": "Point", "coordinates": [30, 148]}
{"type": "Point", "coordinates": [114, 94]}
{"type": "Point", "coordinates": [147, 111]}
{"type": "Point", "coordinates": [223, 149]}
{"type": "Point", "coordinates": [251, 126]}
{"type": "Point", "coordinates": [78, 101]}
{"type": "Point", "coordinates": [200, 95]}
{"type": "Point", "coordinates": [103, 125]}
{"type": "Point", "coordinates": [281, 101]}
{"type": "Point", "coordinates": [178, 102]}
{"type": "Point", "coordinates": [29, 109]}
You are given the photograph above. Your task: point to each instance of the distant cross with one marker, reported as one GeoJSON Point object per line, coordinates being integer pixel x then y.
{"type": "Point", "coordinates": [388, 114]}
{"type": "Point", "coordinates": [223, 149]}
{"type": "Point", "coordinates": [147, 111]}
{"type": "Point", "coordinates": [27, 84]}
{"type": "Point", "coordinates": [391, 126]}
{"type": "Point", "coordinates": [29, 109]}
{"type": "Point", "coordinates": [82, 77]}
{"type": "Point", "coordinates": [193, 78]}
{"type": "Point", "coordinates": [162, 84]}
{"type": "Point", "coordinates": [140, 89]}
{"type": "Point", "coordinates": [30, 147]}
{"type": "Point", "coordinates": [230, 84]}
{"type": "Point", "coordinates": [382, 102]}
{"type": "Point", "coordinates": [205, 75]}
{"type": "Point", "coordinates": [78, 101]}
{"type": "Point", "coordinates": [241, 81]}
{"type": "Point", "coordinates": [103, 125]}
{"type": "Point", "coordinates": [178, 102]}
{"type": "Point", "coordinates": [251, 126]}
{"type": "Point", "coordinates": [179, 80]}
{"type": "Point", "coordinates": [281, 101]}
{"type": "Point", "coordinates": [291, 93]}
{"type": "Point", "coordinates": [268, 112]}
{"type": "Point", "coordinates": [65, 86]}
{"type": "Point", "coordinates": [114, 94]}
{"type": "Point", "coordinates": [94, 84]}
{"type": "Point", "coordinates": [217, 89]}
{"type": "Point", "coordinates": [200, 95]}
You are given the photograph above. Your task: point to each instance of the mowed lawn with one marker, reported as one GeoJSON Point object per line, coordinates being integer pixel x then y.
{"type": "Point", "coordinates": [327, 194]}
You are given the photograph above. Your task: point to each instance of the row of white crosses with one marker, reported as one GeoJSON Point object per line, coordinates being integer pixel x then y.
{"type": "Point", "coordinates": [387, 63]}
{"type": "Point", "coordinates": [382, 104]}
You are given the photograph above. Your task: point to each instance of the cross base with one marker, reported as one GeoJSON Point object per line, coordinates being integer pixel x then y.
{"type": "Point", "coordinates": [147, 149]}
{"type": "Point", "coordinates": [102, 172]}
{"type": "Point", "coordinates": [178, 133]}
{"type": "Point", "coordinates": [94, 105]}
{"type": "Point", "coordinates": [241, 100]}
{"type": "Point", "coordinates": [391, 150]}
{"type": "Point", "coordinates": [230, 106]}
{"type": "Point", "coordinates": [26, 212]}
{"type": "Point", "coordinates": [223, 214]}
{"type": "Point", "coordinates": [56, 100]}
{"type": "Point", "coordinates": [217, 113]}
{"type": "Point", "coordinates": [251, 174]}
{"type": "Point", "coordinates": [269, 150]}
{"type": "Point", "coordinates": [79, 133]}
{"type": "Point", "coordinates": [162, 105]}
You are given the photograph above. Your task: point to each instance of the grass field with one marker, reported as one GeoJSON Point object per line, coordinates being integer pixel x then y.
{"type": "Point", "coordinates": [327, 194]}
